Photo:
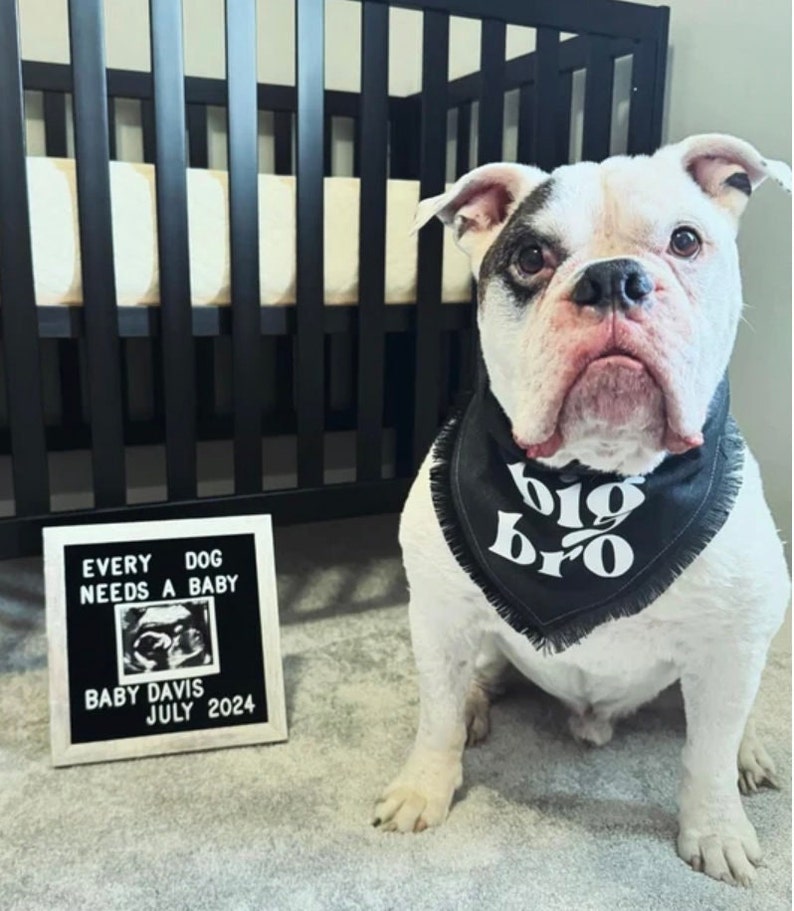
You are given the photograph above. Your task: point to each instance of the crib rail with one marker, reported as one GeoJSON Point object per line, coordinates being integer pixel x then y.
{"type": "Point", "coordinates": [213, 322]}
{"type": "Point", "coordinates": [596, 17]}
{"type": "Point", "coordinates": [17, 313]}
{"type": "Point", "coordinates": [395, 137]}
{"type": "Point", "coordinates": [54, 81]}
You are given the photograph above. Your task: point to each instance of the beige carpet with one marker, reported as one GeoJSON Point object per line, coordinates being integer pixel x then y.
{"type": "Point", "coordinates": [542, 823]}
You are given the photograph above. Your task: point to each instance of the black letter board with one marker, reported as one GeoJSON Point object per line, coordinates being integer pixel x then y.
{"type": "Point", "coordinates": [163, 637]}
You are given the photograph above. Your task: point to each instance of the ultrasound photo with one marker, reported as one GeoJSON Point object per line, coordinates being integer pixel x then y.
{"type": "Point", "coordinates": [166, 640]}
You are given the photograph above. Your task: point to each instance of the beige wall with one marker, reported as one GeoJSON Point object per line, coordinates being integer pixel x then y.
{"type": "Point", "coordinates": [730, 71]}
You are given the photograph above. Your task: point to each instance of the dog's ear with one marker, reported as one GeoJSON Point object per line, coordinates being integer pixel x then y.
{"type": "Point", "coordinates": [728, 169]}
{"type": "Point", "coordinates": [479, 204]}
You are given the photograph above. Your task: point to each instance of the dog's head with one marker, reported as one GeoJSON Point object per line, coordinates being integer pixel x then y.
{"type": "Point", "coordinates": [609, 294]}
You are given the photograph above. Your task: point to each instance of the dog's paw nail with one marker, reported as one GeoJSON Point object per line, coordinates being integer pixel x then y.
{"type": "Point", "coordinates": [376, 822]}
{"type": "Point", "coordinates": [696, 862]}
{"type": "Point", "coordinates": [420, 826]}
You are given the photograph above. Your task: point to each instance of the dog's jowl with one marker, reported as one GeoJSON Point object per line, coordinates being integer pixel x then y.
{"type": "Point", "coordinates": [593, 515]}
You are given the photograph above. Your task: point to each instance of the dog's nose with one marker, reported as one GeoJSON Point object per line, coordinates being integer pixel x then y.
{"type": "Point", "coordinates": [620, 282]}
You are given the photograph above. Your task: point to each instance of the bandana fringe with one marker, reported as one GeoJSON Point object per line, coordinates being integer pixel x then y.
{"type": "Point", "coordinates": [727, 479]}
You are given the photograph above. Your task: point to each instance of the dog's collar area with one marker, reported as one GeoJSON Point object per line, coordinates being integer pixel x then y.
{"type": "Point", "coordinates": [558, 551]}
{"type": "Point", "coordinates": [497, 424]}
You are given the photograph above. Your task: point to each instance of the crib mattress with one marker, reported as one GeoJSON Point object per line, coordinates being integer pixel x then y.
{"type": "Point", "coordinates": [56, 244]}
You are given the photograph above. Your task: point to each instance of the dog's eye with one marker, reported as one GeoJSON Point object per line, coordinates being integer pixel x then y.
{"type": "Point", "coordinates": [685, 242]}
{"type": "Point", "coordinates": [529, 260]}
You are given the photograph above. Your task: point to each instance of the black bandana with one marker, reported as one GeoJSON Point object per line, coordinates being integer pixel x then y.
{"type": "Point", "coordinates": [560, 551]}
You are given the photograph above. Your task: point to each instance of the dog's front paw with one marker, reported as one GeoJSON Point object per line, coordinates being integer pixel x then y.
{"type": "Point", "coordinates": [756, 767]}
{"type": "Point", "coordinates": [727, 850]}
{"type": "Point", "coordinates": [420, 796]}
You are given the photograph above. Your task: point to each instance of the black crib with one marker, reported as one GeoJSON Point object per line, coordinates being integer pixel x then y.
{"type": "Point", "coordinates": [404, 364]}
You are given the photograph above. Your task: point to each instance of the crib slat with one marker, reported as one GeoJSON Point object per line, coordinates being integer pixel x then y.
{"type": "Point", "coordinates": [526, 123]}
{"type": "Point", "coordinates": [243, 156]}
{"type": "Point", "coordinates": [197, 135]}
{"type": "Point", "coordinates": [282, 141]}
{"type": "Point", "coordinates": [492, 97]}
{"type": "Point", "coordinates": [147, 129]}
{"type": "Point", "coordinates": [432, 170]}
{"type": "Point", "coordinates": [158, 392]}
{"type": "Point", "coordinates": [491, 108]}
{"type": "Point", "coordinates": [112, 128]}
{"type": "Point", "coordinates": [372, 239]}
{"type": "Point", "coordinates": [404, 138]}
{"type": "Point", "coordinates": [18, 313]}
{"type": "Point", "coordinates": [357, 144]}
{"type": "Point", "coordinates": [126, 408]}
{"type": "Point", "coordinates": [71, 386]}
{"type": "Point", "coordinates": [463, 141]}
{"type": "Point", "coordinates": [564, 118]}
{"type": "Point", "coordinates": [310, 72]}
{"type": "Point", "coordinates": [168, 77]}
{"type": "Point", "coordinates": [96, 248]}
{"type": "Point", "coordinates": [55, 124]}
{"type": "Point", "coordinates": [284, 373]}
{"type": "Point", "coordinates": [662, 30]}
{"type": "Point", "coordinates": [641, 110]}
{"type": "Point", "coordinates": [598, 100]}
{"type": "Point", "coordinates": [328, 142]}
{"type": "Point", "coordinates": [547, 71]}
{"type": "Point", "coordinates": [205, 365]}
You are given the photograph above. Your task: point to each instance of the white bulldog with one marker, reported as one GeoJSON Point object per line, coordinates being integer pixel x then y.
{"type": "Point", "coordinates": [609, 298]}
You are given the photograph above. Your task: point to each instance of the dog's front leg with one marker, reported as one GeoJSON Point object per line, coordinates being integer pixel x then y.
{"type": "Point", "coordinates": [715, 835]}
{"type": "Point", "coordinates": [445, 648]}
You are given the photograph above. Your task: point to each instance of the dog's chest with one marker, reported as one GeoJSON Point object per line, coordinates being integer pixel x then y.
{"type": "Point", "coordinates": [616, 668]}
{"type": "Point", "coordinates": [561, 552]}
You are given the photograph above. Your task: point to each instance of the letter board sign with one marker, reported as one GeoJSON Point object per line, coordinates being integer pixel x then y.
{"type": "Point", "coordinates": [163, 637]}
